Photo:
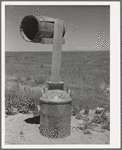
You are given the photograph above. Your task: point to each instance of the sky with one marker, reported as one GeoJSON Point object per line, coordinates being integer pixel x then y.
{"type": "Point", "coordinates": [87, 27]}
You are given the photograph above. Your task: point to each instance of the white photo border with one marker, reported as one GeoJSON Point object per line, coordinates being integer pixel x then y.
{"type": "Point", "coordinates": [115, 139]}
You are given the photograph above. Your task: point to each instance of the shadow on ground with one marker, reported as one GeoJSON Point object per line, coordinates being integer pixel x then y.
{"type": "Point", "coordinates": [33, 120]}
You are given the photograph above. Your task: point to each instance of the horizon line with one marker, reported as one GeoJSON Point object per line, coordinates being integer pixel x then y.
{"type": "Point", "coordinates": [63, 51]}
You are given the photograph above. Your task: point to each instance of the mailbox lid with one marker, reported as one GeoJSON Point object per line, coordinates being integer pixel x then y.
{"type": "Point", "coordinates": [56, 97]}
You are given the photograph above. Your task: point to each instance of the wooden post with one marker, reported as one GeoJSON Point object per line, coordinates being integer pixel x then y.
{"type": "Point", "coordinates": [57, 48]}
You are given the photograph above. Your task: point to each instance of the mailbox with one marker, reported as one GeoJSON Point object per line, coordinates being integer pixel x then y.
{"type": "Point", "coordinates": [38, 29]}
{"type": "Point", "coordinates": [55, 103]}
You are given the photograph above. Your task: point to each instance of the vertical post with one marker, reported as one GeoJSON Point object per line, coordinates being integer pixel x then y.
{"type": "Point", "coordinates": [57, 48]}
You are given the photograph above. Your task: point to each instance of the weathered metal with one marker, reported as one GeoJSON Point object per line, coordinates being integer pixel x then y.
{"type": "Point", "coordinates": [57, 50]}
{"type": "Point", "coordinates": [55, 103]}
{"type": "Point", "coordinates": [49, 41]}
{"type": "Point", "coordinates": [55, 114]}
{"type": "Point", "coordinates": [34, 28]}
{"type": "Point", "coordinates": [53, 86]}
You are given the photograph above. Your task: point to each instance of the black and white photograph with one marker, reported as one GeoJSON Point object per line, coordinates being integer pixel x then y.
{"type": "Point", "coordinates": [60, 74]}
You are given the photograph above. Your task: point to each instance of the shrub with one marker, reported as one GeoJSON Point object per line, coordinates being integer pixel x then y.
{"type": "Point", "coordinates": [75, 110]}
{"type": "Point", "coordinates": [87, 131]}
{"type": "Point", "coordinates": [28, 79]}
{"type": "Point", "coordinates": [9, 104]}
{"type": "Point", "coordinates": [106, 126]}
{"type": "Point", "coordinates": [86, 126]}
{"type": "Point", "coordinates": [100, 119]}
{"type": "Point", "coordinates": [87, 110]}
{"type": "Point", "coordinates": [19, 80]}
{"type": "Point", "coordinates": [40, 80]}
{"type": "Point", "coordinates": [41, 65]}
{"type": "Point", "coordinates": [23, 101]}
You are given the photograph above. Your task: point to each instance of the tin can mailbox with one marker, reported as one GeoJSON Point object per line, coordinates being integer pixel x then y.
{"type": "Point", "coordinates": [55, 114]}
{"type": "Point", "coordinates": [34, 28]}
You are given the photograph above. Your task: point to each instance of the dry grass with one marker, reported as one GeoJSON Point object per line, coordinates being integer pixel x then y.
{"type": "Point", "coordinates": [94, 121]}
{"type": "Point", "coordinates": [88, 79]}
{"type": "Point", "coordinates": [21, 97]}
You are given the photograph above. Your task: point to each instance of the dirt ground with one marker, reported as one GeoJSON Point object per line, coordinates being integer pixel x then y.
{"type": "Point", "coordinates": [19, 130]}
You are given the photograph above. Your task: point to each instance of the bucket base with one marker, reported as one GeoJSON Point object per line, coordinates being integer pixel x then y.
{"type": "Point", "coordinates": [55, 133]}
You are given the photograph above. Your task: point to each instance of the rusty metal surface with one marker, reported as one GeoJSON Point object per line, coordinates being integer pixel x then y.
{"type": "Point", "coordinates": [49, 41]}
{"type": "Point", "coordinates": [55, 97]}
{"type": "Point", "coordinates": [57, 50]}
{"type": "Point", "coordinates": [55, 120]}
{"type": "Point", "coordinates": [33, 28]}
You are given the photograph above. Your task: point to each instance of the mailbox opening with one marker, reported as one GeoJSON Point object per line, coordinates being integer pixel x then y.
{"type": "Point", "coordinates": [29, 27]}
{"type": "Point", "coordinates": [34, 28]}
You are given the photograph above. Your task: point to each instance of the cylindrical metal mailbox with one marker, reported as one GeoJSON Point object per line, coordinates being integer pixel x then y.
{"type": "Point", "coordinates": [34, 28]}
{"type": "Point", "coordinates": [55, 114]}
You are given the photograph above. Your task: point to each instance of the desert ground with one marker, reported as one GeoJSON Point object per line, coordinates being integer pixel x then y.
{"type": "Point", "coordinates": [20, 130]}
